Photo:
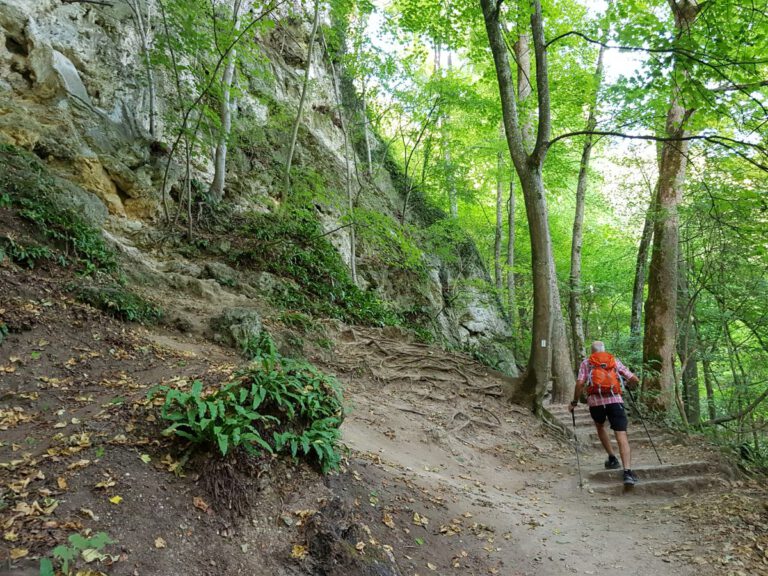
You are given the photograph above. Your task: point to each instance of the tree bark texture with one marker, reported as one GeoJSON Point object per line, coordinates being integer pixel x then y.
{"type": "Point", "coordinates": [641, 265]}
{"type": "Point", "coordinates": [532, 387]}
{"type": "Point", "coordinates": [574, 299]}
{"type": "Point", "coordinates": [687, 346]}
{"type": "Point", "coordinates": [511, 300]}
{"type": "Point", "coordinates": [302, 100]}
{"type": "Point", "coordinates": [497, 269]}
{"type": "Point", "coordinates": [216, 190]}
{"type": "Point", "coordinates": [660, 307]}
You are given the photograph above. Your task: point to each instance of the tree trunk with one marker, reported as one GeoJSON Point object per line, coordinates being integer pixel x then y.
{"type": "Point", "coordinates": [641, 266]}
{"type": "Point", "coordinates": [574, 302]}
{"type": "Point", "coordinates": [498, 273]}
{"type": "Point", "coordinates": [530, 389]}
{"type": "Point", "coordinates": [660, 308]}
{"type": "Point", "coordinates": [347, 166]}
{"type": "Point", "coordinates": [511, 300]}
{"type": "Point", "coordinates": [216, 190]}
{"type": "Point", "coordinates": [366, 135]}
{"type": "Point", "coordinates": [687, 347]}
{"type": "Point", "coordinates": [302, 100]}
{"type": "Point", "coordinates": [447, 160]}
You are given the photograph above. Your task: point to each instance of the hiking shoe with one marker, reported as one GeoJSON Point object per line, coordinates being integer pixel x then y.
{"type": "Point", "coordinates": [630, 478]}
{"type": "Point", "coordinates": [612, 463]}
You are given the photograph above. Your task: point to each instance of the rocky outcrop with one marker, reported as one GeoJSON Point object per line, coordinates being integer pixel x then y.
{"type": "Point", "coordinates": [73, 91]}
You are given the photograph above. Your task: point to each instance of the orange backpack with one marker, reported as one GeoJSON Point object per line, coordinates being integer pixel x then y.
{"type": "Point", "coordinates": [603, 376]}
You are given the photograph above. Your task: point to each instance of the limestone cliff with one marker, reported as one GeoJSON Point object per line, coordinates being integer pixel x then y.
{"type": "Point", "coordinates": [73, 91]}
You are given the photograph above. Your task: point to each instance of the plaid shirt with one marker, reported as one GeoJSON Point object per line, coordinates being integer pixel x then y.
{"type": "Point", "coordinates": [596, 399]}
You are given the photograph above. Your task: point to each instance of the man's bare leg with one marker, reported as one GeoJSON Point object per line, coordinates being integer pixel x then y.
{"type": "Point", "coordinates": [624, 451]}
{"type": "Point", "coordinates": [605, 440]}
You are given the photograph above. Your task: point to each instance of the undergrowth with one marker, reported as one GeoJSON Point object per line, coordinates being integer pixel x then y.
{"type": "Point", "coordinates": [26, 185]}
{"type": "Point", "coordinates": [292, 244]}
{"type": "Point", "coordinates": [276, 405]}
{"type": "Point", "coordinates": [119, 302]}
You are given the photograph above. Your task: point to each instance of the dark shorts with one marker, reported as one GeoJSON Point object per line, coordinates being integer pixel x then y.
{"type": "Point", "coordinates": [615, 414]}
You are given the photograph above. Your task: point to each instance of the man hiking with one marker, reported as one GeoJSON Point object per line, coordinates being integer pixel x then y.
{"type": "Point", "coordinates": [602, 373]}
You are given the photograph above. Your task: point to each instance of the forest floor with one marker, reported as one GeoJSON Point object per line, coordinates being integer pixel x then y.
{"type": "Point", "coordinates": [442, 475]}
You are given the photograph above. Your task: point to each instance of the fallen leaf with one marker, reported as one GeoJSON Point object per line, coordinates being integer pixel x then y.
{"type": "Point", "coordinates": [159, 542]}
{"type": "Point", "coordinates": [17, 553]}
{"type": "Point", "coordinates": [92, 554]}
{"type": "Point", "coordinates": [360, 546]}
{"type": "Point", "coordinates": [61, 482]}
{"type": "Point", "coordinates": [10, 536]}
{"type": "Point", "coordinates": [388, 521]}
{"type": "Point", "coordinates": [200, 504]}
{"type": "Point", "coordinates": [420, 520]}
{"type": "Point", "coordinates": [116, 499]}
{"type": "Point", "coordinates": [79, 464]}
{"type": "Point", "coordinates": [299, 552]}
{"type": "Point", "coordinates": [146, 458]}
{"type": "Point", "coordinates": [431, 566]}
{"type": "Point", "coordinates": [88, 512]}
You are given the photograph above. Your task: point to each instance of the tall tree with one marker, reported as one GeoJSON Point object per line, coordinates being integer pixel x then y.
{"type": "Point", "coordinates": [225, 112]}
{"type": "Point", "coordinates": [532, 387]}
{"type": "Point", "coordinates": [574, 299]}
{"type": "Point", "coordinates": [661, 305]}
{"type": "Point", "coordinates": [302, 100]}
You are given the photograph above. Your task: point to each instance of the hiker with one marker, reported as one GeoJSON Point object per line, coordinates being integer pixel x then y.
{"type": "Point", "coordinates": [602, 373]}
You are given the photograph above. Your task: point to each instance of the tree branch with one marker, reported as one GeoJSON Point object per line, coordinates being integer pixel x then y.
{"type": "Point", "coordinates": [542, 86]}
{"type": "Point", "coordinates": [723, 141]}
{"type": "Point", "coordinates": [96, 2]}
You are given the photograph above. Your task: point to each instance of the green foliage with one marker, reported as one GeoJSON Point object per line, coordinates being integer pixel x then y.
{"type": "Point", "coordinates": [23, 255]}
{"type": "Point", "coordinates": [89, 549]}
{"type": "Point", "coordinates": [121, 303]}
{"type": "Point", "coordinates": [292, 244]}
{"type": "Point", "coordinates": [276, 405]}
{"type": "Point", "coordinates": [26, 185]}
{"type": "Point", "coordinates": [298, 320]}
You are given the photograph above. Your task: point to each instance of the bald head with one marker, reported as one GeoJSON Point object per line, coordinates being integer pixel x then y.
{"type": "Point", "coordinates": [598, 346]}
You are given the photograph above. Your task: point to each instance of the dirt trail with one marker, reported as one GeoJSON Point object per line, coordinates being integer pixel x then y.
{"type": "Point", "coordinates": [443, 474]}
{"type": "Point", "coordinates": [455, 437]}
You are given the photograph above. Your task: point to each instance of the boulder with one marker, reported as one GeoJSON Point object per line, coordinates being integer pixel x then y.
{"type": "Point", "coordinates": [236, 326]}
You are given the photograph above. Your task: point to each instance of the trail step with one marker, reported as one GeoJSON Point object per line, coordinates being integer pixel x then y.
{"type": "Point", "coordinates": [660, 472]}
{"type": "Point", "coordinates": [661, 487]}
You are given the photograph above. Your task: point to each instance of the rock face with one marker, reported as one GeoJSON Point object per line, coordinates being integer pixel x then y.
{"type": "Point", "coordinates": [73, 91]}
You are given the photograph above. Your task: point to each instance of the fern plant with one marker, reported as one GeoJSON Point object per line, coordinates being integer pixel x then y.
{"type": "Point", "coordinates": [275, 405]}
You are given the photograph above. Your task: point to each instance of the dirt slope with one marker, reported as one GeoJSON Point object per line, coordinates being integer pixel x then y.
{"type": "Point", "coordinates": [442, 475]}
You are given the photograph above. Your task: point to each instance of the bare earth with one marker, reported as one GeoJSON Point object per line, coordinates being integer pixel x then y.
{"type": "Point", "coordinates": [442, 476]}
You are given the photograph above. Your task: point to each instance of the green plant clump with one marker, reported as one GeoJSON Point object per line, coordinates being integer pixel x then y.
{"type": "Point", "coordinates": [23, 255]}
{"type": "Point", "coordinates": [293, 244]}
{"type": "Point", "coordinates": [120, 303]}
{"type": "Point", "coordinates": [26, 185]}
{"type": "Point", "coordinates": [277, 405]}
{"type": "Point", "coordinates": [89, 549]}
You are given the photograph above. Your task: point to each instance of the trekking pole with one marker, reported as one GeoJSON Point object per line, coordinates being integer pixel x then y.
{"type": "Point", "coordinates": [637, 409]}
{"type": "Point", "coordinates": [576, 447]}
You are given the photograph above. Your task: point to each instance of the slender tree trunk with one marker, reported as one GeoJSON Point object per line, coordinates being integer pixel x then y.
{"type": "Point", "coordinates": [447, 160]}
{"type": "Point", "coordinates": [347, 166]}
{"type": "Point", "coordinates": [687, 347]}
{"type": "Point", "coordinates": [302, 100]}
{"type": "Point", "coordinates": [660, 308]}
{"type": "Point", "coordinates": [574, 302]}
{"type": "Point", "coordinates": [366, 135]}
{"type": "Point", "coordinates": [498, 272]}
{"type": "Point", "coordinates": [144, 28]}
{"type": "Point", "coordinates": [706, 365]}
{"type": "Point", "coordinates": [216, 190]}
{"type": "Point", "coordinates": [641, 266]}
{"type": "Point", "coordinates": [511, 299]}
